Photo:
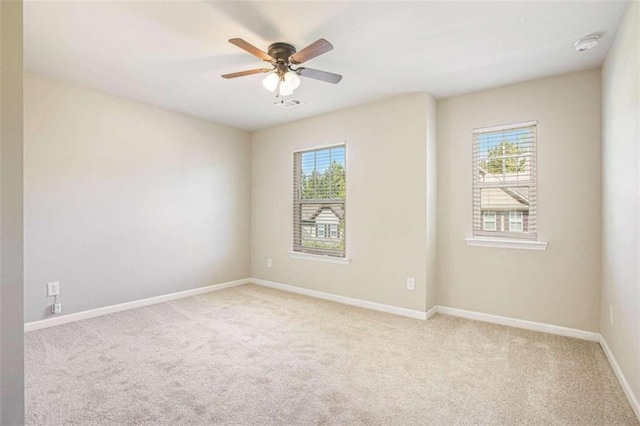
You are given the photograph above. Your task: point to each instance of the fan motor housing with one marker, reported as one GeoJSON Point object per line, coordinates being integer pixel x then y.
{"type": "Point", "coordinates": [281, 51]}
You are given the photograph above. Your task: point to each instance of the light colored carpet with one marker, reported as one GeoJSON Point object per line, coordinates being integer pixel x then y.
{"type": "Point", "coordinates": [252, 355]}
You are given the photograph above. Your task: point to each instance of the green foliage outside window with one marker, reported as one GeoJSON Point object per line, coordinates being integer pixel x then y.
{"type": "Point", "coordinates": [505, 158]}
{"type": "Point", "coordinates": [328, 185]}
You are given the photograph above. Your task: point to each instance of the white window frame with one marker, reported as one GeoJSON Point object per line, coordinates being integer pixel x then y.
{"type": "Point", "coordinates": [478, 222]}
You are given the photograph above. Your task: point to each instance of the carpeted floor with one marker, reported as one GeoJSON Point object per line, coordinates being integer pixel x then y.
{"type": "Point", "coordinates": [252, 355]}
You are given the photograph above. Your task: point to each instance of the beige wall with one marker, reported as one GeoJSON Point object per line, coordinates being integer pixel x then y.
{"type": "Point", "coordinates": [557, 286]}
{"type": "Point", "coordinates": [621, 193]}
{"type": "Point", "coordinates": [11, 215]}
{"type": "Point", "coordinates": [125, 201]}
{"type": "Point", "coordinates": [385, 203]}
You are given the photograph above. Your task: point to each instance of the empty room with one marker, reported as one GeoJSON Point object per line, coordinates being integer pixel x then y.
{"type": "Point", "coordinates": [333, 212]}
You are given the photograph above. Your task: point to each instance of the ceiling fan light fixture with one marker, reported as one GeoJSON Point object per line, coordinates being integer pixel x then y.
{"type": "Point", "coordinates": [292, 80]}
{"type": "Point", "coordinates": [270, 82]}
{"type": "Point", "coordinates": [282, 78]}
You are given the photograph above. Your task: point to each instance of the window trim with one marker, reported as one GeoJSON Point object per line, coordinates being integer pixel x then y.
{"type": "Point", "coordinates": [509, 243]}
{"type": "Point", "coordinates": [501, 128]}
{"type": "Point", "coordinates": [502, 236]}
{"type": "Point", "coordinates": [304, 253]}
{"type": "Point", "coordinates": [319, 257]}
{"type": "Point", "coordinates": [317, 147]}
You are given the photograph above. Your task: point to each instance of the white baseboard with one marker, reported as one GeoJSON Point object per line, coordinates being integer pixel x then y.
{"type": "Point", "coordinates": [518, 323]}
{"type": "Point", "coordinates": [343, 299]}
{"type": "Point", "coordinates": [495, 319]}
{"type": "Point", "coordinates": [64, 319]}
{"type": "Point", "coordinates": [633, 400]}
{"type": "Point", "coordinates": [431, 312]}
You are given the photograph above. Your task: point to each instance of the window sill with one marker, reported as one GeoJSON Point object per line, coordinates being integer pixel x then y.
{"type": "Point", "coordinates": [319, 258]}
{"type": "Point", "coordinates": [505, 243]}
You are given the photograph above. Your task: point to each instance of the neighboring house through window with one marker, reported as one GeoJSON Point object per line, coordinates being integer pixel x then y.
{"type": "Point", "coordinates": [319, 201]}
{"type": "Point", "coordinates": [489, 221]}
{"type": "Point", "coordinates": [504, 181]}
{"type": "Point", "coordinates": [333, 231]}
{"type": "Point", "coordinates": [515, 221]}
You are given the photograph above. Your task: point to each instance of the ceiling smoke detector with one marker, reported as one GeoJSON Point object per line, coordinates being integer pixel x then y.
{"type": "Point", "coordinates": [586, 43]}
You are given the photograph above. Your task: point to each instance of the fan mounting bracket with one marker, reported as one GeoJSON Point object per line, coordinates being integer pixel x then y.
{"type": "Point", "coordinates": [281, 52]}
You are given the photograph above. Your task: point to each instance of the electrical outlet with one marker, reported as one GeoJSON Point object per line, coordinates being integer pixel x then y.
{"type": "Point", "coordinates": [269, 262]}
{"type": "Point", "coordinates": [611, 315]}
{"type": "Point", "coordinates": [56, 308]}
{"type": "Point", "coordinates": [411, 283]}
{"type": "Point", "coordinates": [53, 288]}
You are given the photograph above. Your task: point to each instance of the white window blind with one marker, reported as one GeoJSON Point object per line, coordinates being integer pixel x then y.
{"type": "Point", "coordinates": [504, 181]}
{"type": "Point", "coordinates": [319, 187]}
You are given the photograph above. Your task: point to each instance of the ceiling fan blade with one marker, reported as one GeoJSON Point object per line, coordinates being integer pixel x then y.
{"type": "Point", "coordinates": [243, 73]}
{"type": "Point", "coordinates": [251, 49]}
{"type": "Point", "coordinates": [316, 48]}
{"type": "Point", "coordinates": [329, 77]}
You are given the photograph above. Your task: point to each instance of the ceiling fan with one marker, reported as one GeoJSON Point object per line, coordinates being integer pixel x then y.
{"type": "Point", "coordinates": [283, 78]}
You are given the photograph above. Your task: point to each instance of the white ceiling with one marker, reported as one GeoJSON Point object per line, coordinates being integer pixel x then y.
{"type": "Point", "coordinates": [171, 54]}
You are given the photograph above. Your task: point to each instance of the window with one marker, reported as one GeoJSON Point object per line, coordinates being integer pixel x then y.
{"type": "Point", "coordinates": [319, 201]}
{"type": "Point", "coordinates": [504, 181]}
{"type": "Point", "coordinates": [489, 221]}
{"type": "Point", "coordinates": [515, 221]}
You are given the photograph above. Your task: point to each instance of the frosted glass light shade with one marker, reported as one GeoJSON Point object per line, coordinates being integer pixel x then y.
{"type": "Point", "coordinates": [270, 82]}
{"type": "Point", "coordinates": [285, 89]}
{"type": "Point", "coordinates": [292, 79]}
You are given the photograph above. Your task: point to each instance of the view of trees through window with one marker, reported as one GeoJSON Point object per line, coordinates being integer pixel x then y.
{"type": "Point", "coordinates": [326, 184]}
{"type": "Point", "coordinates": [506, 157]}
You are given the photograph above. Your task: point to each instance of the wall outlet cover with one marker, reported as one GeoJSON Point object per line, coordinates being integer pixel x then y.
{"type": "Point", "coordinates": [611, 315]}
{"type": "Point", "coordinates": [53, 288]}
{"type": "Point", "coordinates": [411, 283]}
